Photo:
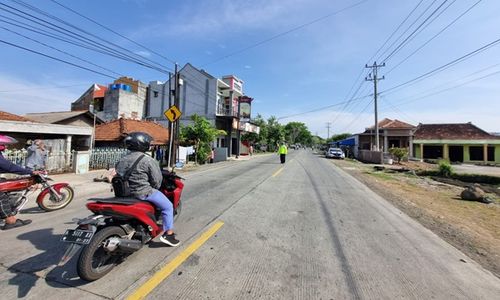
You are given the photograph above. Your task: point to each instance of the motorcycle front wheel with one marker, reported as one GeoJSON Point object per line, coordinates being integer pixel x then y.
{"type": "Point", "coordinates": [95, 261]}
{"type": "Point", "coordinates": [52, 202]}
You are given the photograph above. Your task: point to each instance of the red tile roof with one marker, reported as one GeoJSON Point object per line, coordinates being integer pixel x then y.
{"type": "Point", "coordinates": [99, 91]}
{"type": "Point", "coordinates": [392, 124]}
{"type": "Point", "coordinates": [462, 131]}
{"type": "Point", "coordinates": [118, 129]}
{"type": "Point", "coordinates": [5, 116]}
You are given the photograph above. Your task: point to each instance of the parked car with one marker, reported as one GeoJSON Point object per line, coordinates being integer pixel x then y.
{"type": "Point", "coordinates": [335, 153]}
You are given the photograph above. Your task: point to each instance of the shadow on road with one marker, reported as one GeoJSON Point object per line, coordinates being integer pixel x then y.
{"type": "Point", "coordinates": [43, 265]}
{"type": "Point", "coordinates": [32, 210]}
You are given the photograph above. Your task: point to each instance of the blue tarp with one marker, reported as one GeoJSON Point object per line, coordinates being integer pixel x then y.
{"type": "Point", "coordinates": [347, 142]}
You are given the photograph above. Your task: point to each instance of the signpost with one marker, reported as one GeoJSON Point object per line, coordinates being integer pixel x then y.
{"type": "Point", "coordinates": [172, 114]}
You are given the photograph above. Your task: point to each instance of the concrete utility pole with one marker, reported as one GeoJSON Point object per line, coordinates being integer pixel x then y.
{"type": "Point", "coordinates": [328, 124]}
{"type": "Point", "coordinates": [177, 102]}
{"type": "Point", "coordinates": [373, 76]}
{"type": "Point", "coordinates": [170, 124]}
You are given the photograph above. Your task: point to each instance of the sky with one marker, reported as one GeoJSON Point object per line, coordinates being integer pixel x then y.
{"type": "Point", "coordinates": [294, 56]}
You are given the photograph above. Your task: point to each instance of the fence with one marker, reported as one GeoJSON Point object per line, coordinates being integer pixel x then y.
{"type": "Point", "coordinates": [56, 161]}
{"type": "Point", "coordinates": [375, 157]}
{"type": "Point", "coordinates": [104, 158]}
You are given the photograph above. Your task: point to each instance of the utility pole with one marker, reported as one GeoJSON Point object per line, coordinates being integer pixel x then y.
{"type": "Point", "coordinates": [328, 124]}
{"type": "Point", "coordinates": [238, 132]}
{"type": "Point", "coordinates": [373, 76]}
{"type": "Point", "coordinates": [170, 124]}
{"type": "Point", "coordinates": [177, 100]}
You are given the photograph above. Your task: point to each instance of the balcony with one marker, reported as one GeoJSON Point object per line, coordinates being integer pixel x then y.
{"type": "Point", "coordinates": [224, 111]}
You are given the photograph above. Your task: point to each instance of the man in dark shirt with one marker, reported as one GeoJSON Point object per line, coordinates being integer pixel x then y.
{"type": "Point", "coordinates": [8, 167]}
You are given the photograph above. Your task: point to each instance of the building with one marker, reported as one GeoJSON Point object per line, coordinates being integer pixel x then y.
{"type": "Point", "coordinates": [463, 142]}
{"type": "Point", "coordinates": [75, 118]}
{"type": "Point", "coordinates": [205, 95]}
{"type": "Point", "coordinates": [124, 98]}
{"type": "Point", "coordinates": [61, 140]}
{"type": "Point", "coordinates": [111, 134]}
{"type": "Point", "coordinates": [392, 133]}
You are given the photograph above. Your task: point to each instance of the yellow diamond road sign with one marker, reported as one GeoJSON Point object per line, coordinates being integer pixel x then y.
{"type": "Point", "coordinates": [173, 113]}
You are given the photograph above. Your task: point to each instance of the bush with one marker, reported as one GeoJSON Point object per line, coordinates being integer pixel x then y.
{"type": "Point", "coordinates": [445, 168]}
{"type": "Point", "coordinates": [399, 153]}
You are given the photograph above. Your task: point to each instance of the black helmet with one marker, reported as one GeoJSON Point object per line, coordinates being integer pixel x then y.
{"type": "Point", "coordinates": [138, 141]}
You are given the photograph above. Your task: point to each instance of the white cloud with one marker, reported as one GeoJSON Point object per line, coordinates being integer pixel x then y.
{"type": "Point", "coordinates": [248, 67]}
{"type": "Point", "coordinates": [25, 97]}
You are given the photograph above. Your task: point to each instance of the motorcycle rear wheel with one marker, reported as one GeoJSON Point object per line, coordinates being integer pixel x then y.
{"type": "Point", "coordinates": [95, 261]}
{"type": "Point", "coordinates": [50, 203]}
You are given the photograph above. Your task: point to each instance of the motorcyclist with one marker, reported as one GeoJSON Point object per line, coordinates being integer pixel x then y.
{"type": "Point", "coordinates": [7, 166]}
{"type": "Point", "coordinates": [145, 180]}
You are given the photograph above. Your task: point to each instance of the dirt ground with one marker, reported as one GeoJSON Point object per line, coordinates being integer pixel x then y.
{"type": "Point", "coordinates": [472, 227]}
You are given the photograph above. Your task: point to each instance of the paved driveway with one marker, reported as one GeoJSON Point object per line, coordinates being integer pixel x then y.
{"type": "Point", "coordinates": [480, 170]}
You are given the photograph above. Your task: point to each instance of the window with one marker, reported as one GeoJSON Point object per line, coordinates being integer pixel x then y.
{"type": "Point", "coordinates": [155, 93]}
{"type": "Point", "coordinates": [476, 153]}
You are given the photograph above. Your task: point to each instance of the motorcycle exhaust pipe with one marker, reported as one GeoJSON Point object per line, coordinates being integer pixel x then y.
{"type": "Point", "coordinates": [129, 246]}
{"type": "Point", "coordinates": [122, 245]}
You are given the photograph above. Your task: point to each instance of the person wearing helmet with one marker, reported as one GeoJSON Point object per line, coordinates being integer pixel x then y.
{"type": "Point", "coordinates": [7, 166]}
{"type": "Point", "coordinates": [145, 181]}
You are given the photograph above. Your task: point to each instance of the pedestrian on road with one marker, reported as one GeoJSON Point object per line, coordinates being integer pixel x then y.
{"type": "Point", "coordinates": [145, 180]}
{"type": "Point", "coordinates": [250, 149]}
{"type": "Point", "coordinates": [7, 166]}
{"type": "Point", "coordinates": [283, 151]}
{"type": "Point", "coordinates": [212, 155]}
{"type": "Point", "coordinates": [37, 156]}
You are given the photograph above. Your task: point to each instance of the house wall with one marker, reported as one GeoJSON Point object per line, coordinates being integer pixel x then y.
{"type": "Point", "coordinates": [198, 95]}
{"type": "Point", "coordinates": [466, 147]}
{"type": "Point", "coordinates": [118, 103]}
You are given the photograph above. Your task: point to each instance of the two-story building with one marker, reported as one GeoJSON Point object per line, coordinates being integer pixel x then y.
{"type": "Point", "coordinates": [205, 95]}
{"type": "Point", "coordinates": [124, 98]}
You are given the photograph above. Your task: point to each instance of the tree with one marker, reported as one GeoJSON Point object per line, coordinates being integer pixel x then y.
{"type": "Point", "coordinates": [200, 134]}
{"type": "Point", "coordinates": [275, 133]}
{"type": "Point", "coordinates": [297, 132]}
{"type": "Point", "coordinates": [399, 153]}
{"type": "Point", "coordinates": [255, 138]}
{"type": "Point", "coordinates": [338, 137]}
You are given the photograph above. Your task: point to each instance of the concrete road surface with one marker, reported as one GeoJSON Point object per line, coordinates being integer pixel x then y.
{"type": "Point", "coordinates": [302, 230]}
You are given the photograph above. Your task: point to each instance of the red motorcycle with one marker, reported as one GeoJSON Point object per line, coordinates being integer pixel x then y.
{"type": "Point", "coordinates": [118, 227]}
{"type": "Point", "coordinates": [52, 197]}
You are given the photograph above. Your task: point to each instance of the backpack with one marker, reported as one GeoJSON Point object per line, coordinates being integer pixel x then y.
{"type": "Point", "coordinates": [120, 183]}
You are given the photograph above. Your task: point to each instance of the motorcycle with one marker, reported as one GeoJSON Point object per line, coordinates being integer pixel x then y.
{"type": "Point", "coordinates": [52, 197]}
{"type": "Point", "coordinates": [118, 228]}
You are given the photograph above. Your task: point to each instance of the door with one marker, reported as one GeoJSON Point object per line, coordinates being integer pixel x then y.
{"type": "Point", "coordinates": [456, 153]}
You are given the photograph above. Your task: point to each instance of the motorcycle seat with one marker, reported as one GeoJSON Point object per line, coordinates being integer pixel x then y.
{"type": "Point", "coordinates": [116, 200]}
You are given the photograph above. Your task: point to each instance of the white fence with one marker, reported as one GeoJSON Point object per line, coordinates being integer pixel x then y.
{"type": "Point", "coordinates": [56, 162]}
{"type": "Point", "coordinates": [104, 158]}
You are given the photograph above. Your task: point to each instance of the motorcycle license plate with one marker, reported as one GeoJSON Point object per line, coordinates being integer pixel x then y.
{"type": "Point", "coordinates": [77, 236]}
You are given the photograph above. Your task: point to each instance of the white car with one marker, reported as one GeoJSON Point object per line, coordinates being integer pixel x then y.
{"type": "Point", "coordinates": [335, 153]}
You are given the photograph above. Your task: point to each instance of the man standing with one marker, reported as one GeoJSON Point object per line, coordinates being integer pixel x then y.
{"type": "Point", "coordinates": [37, 156]}
{"type": "Point", "coordinates": [283, 151]}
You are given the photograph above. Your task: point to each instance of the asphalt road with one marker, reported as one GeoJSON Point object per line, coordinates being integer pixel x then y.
{"type": "Point", "coordinates": [302, 230]}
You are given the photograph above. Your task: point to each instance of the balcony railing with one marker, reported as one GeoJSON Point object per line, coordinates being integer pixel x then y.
{"type": "Point", "coordinates": [223, 111]}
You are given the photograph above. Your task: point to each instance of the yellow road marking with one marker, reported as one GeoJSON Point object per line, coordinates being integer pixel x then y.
{"type": "Point", "coordinates": [162, 274]}
{"type": "Point", "coordinates": [278, 172]}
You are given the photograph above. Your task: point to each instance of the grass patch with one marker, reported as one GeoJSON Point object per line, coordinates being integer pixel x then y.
{"type": "Point", "coordinates": [380, 175]}
{"type": "Point", "coordinates": [471, 178]}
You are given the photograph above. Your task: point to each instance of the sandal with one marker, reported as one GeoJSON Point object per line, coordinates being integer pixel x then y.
{"type": "Point", "coordinates": [18, 223]}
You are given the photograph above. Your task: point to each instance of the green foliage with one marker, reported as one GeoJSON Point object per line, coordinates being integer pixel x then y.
{"type": "Point", "coordinates": [200, 134]}
{"type": "Point", "coordinates": [338, 137]}
{"type": "Point", "coordinates": [275, 133]}
{"type": "Point", "coordinates": [445, 168]}
{"type": "Point", "coordinates": [399, 153]}
{"type": "Point", "coordinates": [297, 133]}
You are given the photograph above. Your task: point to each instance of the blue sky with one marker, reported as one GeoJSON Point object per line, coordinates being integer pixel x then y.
{"type": "Point", "coordinates": [309, 68]}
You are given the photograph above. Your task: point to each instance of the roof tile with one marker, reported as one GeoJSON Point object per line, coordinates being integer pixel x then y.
{"type": "Point", "coordinates": [461, 131]}
{"type": "Point", "coordinates": [5, 116]}
{"type": "Point", "coordinates": [118, 129]}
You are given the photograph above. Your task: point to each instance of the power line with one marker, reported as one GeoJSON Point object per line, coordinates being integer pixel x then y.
{"type": "Point", "coordinates": [360, 75]}
{"type": "Point", "coordinates": [321, 108]}
{"type": "Point", "coordinates": [80, 37]}
{"type": "Point", "coordinates": [285, 32]}
{"type": "Point", "coordinates": [405, 31]}
{"type": "Point", "coordinates": [113, 31]}
{"type": "Point", "coordinates": [55, 58]}
{"type": "Point", "coordinates": [443, 67]}
{"type": "Point", "coordinates": [433, 37]}
{"type": "Point", "coordinates": [61, 51]}
{"type": "Point", "coordinates": [52, 17]}
{"type": "Point", "coordinates": [414, 32]}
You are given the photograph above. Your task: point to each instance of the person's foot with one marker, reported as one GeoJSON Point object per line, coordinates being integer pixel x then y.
{"type": "Point", "coordinates": [18, 223]}
{"type": "Point", "coordinates": [170, 240]}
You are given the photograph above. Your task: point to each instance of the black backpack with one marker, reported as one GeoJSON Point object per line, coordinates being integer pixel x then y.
{"type": "Point", "coordinates": [120, 184]}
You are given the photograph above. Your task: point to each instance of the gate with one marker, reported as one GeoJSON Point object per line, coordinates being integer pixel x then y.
{"type": "Point", "coordinates": [105, 158]}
